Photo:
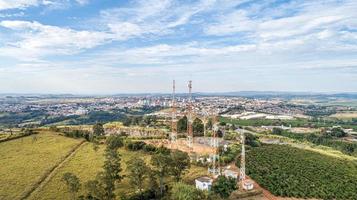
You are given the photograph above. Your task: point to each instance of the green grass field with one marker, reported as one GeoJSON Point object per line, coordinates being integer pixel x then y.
{"type": "Point", "coordinates": [24, 161]}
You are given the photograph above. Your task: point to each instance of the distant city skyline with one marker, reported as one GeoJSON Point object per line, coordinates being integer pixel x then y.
{"type": "Point", "coordinates": [140, 46]}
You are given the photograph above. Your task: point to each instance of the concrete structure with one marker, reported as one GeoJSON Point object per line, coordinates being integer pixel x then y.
{"type": "Point", "coordinates": [230, 173]}
{"type": "Point", "coordinates": [203, 183]}
{"type": "Point", "coordinates": [247, 185]}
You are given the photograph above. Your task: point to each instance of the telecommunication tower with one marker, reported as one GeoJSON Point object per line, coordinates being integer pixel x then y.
{"type": "Point", "coordinates": [189, 117]}
{"type": "Point", "coordinates": [214, 156]}
{"type": "Point", "coordinates": [242, 160]}
{"type": "Point", "coordinates": [173, 135]}
{"type": "Point", "coordinates": [245, 183]}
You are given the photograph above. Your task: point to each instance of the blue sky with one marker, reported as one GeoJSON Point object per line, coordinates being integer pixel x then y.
{"type": "Point", "coordinates": [106, 47]}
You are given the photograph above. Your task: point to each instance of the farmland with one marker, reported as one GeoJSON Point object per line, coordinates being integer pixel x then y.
{"type": "Point", "coordinates": [345, 115]}
{"type": "Point", "coordinates": [290, 172]}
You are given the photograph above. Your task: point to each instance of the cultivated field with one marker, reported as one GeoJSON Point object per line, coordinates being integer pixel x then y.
{"type": "Point", "coordinates": [26, 160]}
{"type": "Point", "coordinates": [345, 115]}
{"type": "Point", "coordinates": [291, 172]}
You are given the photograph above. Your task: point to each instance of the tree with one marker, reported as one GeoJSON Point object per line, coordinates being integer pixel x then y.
{"type": "Point", "coordinates": [182, 191]}
{"type": "Point", "coordinates": [224, 186]}
{"type": "Point", "coordinates": [162, 165]}
{"type": "Point", "coordinates": [72, 182]}
{"type": "Point", "coordinates": [277, 131]}
{"type": "Point", "coordinates": [95, 189]}
{"type": "Point", "coordinates": [98, 129]}
{"type": "Point", "coordinates": [180, 163]}
{"type": "Point", "coordinates": [138, 172]}
{"type": "Point", "coordinates": [336, 132]}
{"type": "Point", "coordinates": [103, 186]}
{"type": "Point", "coordinates": [114, 142]}
{"type": "Point", "coordinates": [197, 127]}
{"type": "Point", "coordinates": [182, 125]}
{"type": "Point", "coordinates": [111, 173]}
{"type": "Point", "coordinates": [251, 140]}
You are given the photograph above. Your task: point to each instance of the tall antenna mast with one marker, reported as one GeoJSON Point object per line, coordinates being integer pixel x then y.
{"type": "Point", "coordinates": [242, 160]}
{"type": "Point", "coordinates": [173, 116]}
{"type": "Point", "coordinates": [215, 170]}
{"type": "Point", "coordinates": [189, 117]}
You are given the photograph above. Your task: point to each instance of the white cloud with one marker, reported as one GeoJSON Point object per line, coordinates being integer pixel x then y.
{"type": "Point", "coordinates": [20, 4]}
{"type": "Point", "coordinates": [232, 23]}
{"type": "Point", "coordinates": [36, 40]}
{"type": "Point", "coordinates": [82, 2]}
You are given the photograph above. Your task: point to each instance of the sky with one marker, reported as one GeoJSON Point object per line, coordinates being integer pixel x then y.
{"type": "Point", "coordinates": [117, 46]}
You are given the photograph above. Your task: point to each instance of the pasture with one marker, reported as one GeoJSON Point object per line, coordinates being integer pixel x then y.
{"type": "Point", "coordinates": [26, 160]}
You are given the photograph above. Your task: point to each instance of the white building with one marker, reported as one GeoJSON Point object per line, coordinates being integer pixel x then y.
{"type": "Point", "coordinates": [230, 173]}
{"type": "Point", "coordinates": [203, 183]}
{"type": "Point", "coordinates": [248, 185]}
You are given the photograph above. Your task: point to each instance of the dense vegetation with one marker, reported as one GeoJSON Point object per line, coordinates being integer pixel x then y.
{"type": "Point", "coordinates": [325, 139]}
{"type": "Point", "coordinates": [30, 118]}
{"type": "Point", "coordinates": [300, 122]}
{"type": "Point", "coordinates": [291, 172]}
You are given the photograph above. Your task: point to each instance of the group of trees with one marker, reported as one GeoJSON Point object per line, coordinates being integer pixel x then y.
{"type": "Point", "coordinates": [334, 132]}
{"type": "Point", "coordinates": [145, 121]}
{"type": "Point", "coordinates": [326, 138]}
{"type": "Point", "coordinates": [139, 145]}
{"type": "Point", "coordinates": [164, 164]}
{"type": "Point", "coordinates": [104, 184]}
{"type": "Point", "coordinates": [197, 126]}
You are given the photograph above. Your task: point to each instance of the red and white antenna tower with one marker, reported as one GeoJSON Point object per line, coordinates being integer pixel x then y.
{"type": "Point", "coordinates": [215, 169]}
{"type": "Point", "coordinates": [173, 135]}
{"type": "Point", "coordinates": [242, 160]}
{"type": "Point", "coordinates": [189, 117]}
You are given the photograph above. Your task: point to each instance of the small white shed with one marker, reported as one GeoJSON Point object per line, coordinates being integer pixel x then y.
{"type": "Point", "coordinates": [230, 173]}
{"type": "Point", "coordinates": [203, 183]}
{"type": "Point", "coordinates": [248, 185]}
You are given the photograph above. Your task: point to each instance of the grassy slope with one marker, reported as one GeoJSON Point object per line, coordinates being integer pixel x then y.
{"type": "Point", "coordinates": [86, 163]}
{"type": "Point", "coordinates": [24, 161]}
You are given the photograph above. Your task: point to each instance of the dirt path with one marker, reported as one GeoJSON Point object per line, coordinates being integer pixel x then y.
{"type": "Point", "coordinates": [47, 177]}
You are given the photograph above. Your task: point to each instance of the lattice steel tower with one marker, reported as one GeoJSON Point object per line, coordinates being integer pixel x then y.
{"type": "Point", "coordinates": [214, 143]}
{"type": "Point", "coordinates": [189, 117]}
{"type": "Point", "coordinates": [173, 135]}
{"type": "Point", "coordinates": [242, 160]}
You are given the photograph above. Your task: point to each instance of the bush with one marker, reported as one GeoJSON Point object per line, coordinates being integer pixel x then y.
{"type": "Point", "coordinates": [149, 148]}
{"type": "Point", "coordinates": [134, 145]}
{"type": "Point", "coordinates": [224, 186]}
{"type": "Point", "coordinates": [182, 191]}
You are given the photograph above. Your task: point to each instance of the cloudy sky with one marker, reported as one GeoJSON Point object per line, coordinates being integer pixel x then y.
{"type": "Point", "coordinates": [106, 47]}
